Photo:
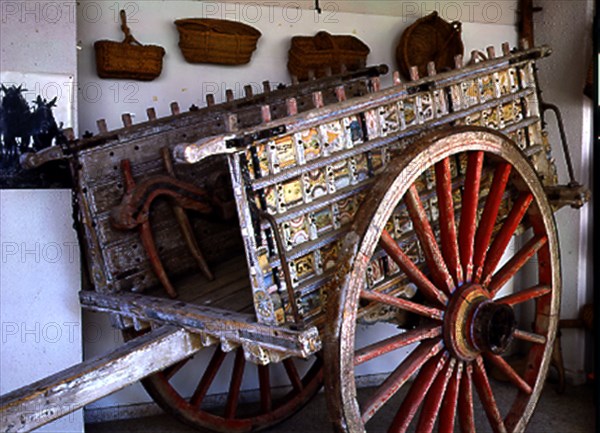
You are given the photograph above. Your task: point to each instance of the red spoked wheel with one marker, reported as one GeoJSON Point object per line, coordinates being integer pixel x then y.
{"type": "Point", "coordinates": [457, 198]}
{"type": "Point", "coordinates": [283, 389]}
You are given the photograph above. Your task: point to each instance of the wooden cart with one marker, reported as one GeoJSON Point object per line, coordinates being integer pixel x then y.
{"type": "Point", "coordinates": [284, 221]}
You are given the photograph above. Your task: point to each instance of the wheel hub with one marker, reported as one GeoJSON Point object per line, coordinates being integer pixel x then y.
{"type": "Point", "coordinates": [474, 323]}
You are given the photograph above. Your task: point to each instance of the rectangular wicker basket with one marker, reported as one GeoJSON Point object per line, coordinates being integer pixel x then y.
{"type": "Point", "coordinates": [208, 40]}
{"type": "Point", "coordinates": [128, 59]}
{"type": "Point", "coordinates": [322, 51]}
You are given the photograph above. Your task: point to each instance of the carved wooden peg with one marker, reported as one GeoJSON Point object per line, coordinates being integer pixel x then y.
{"type": "Point", "coordinates": [292, 106]}
{"type": "Point", "coordinates": [328, 71]}
{"type": "Point", "coordinates": [151, 113]}
{"type": "Point", "coordinates": [210, 99]}
{"type": "Point", "coordinates": [375, 83]}
{"type": "Point", "coordinates": [343, 68]}
{"type": "Point", "coordinates": [491, 52]}
{"type": "Point", "coordinates": [266, 86]}
{"type": "Point", "coordinates": [414, 73]}
{"type": "Point", "coordinates": [431, 69]}
{"type": "Point", "coordinates": [248, 91]}
{"type": "Point", "coordinates": [317, 98]}
{"type": "Point", "coordinates": [229, 95]}
{"type": "Point", "coordinates": [295, 79]}
{"type": "Point", "coordinates": [311, 74]}
{"type": "Point", "coordinates": [505, 48]}
{"type": "Point", "coordinates": [175, 108]}
{"type": "Point", "coordinates": [127, 121]}
{"type": "Point", "coordinates": [265, 112]}
{"type": "Point", "coordinates": [458, 61]}
{"type": "Point", "coordinates": [69, 134]}
{"type": "Point", "coordinates": [523, 44]}
{"type": "Point", "coordinates": [340, 93]}
{"type": "Point", "coordinates": [102, 128]}
{"type": "Point", "coordinates": [396, 78]}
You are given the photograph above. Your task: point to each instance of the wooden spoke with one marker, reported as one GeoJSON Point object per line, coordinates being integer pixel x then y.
{"type": "Point", "coordinates": [417, 392]}
{"type": "Point", "coordinates": [505, 234]}
{"type": "Point", "coordinates": [443, 183]}
{"type": "Point", "coordinates": [208, 377]}
{"type": "Point", "coordinates": [501, 277]}
{"type": "Point", "coordinates": [489, 216]}
{"type": "Point", "coordinates": [529, 336]}
{"type": "Point", "coordinates": [234, 386]}
{"type": "Point", "coordinates": [293, 375]}
{"type": "Point", "coordinates": [486, 396]}
{"type": "Point", "coordinates": [411, 270]}
{"type": "Point", "coordinates": [525, 295]}
{"type": "Point", "coordinates": [396, 342]}
{"type": "Point", "coordinates": [466, 417]}
{"type": "Point", "coordinates": [264, 380]}
{"type": "Point", "coordinates": [512, 375]}
{"type": "Point", "coordinates": [433, 256]}
{"type": "Point", "coordinates": [400, 375]}
{"type": "Point", "coordinates": [433, 402]}
{"type": "Point", "coordinates": [450, 402]}
{"type": "Point", "coordinates": [468, 216]}
{"type": "Point", "coordinates": [403, 304]}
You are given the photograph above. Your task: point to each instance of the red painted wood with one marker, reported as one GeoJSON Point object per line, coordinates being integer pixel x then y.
{"type": "Point", "coordinates": [525, 295]}
{"type": "Point", "coordinates": [511, 267]}
{"type": "Point", "coordinates": [234, 386]}
{"type": "Point", "coordinates": [417, 392]}
{"type": "Point", "coordinates": [489, 215]}
{"type": "Point", "coordinates": [433, 401]}
{"type": "Point", "coordinates": [510, 373]}
{"type": "Point", "coordinates": [530, 337]}
{"type": "Point", "coordinates": [466, 417]}
{"type": "Point", "coordinates": [403, 304]}
{"type": "Point", "coordinates": [396, 342]}
{"type": "Point", "coordinates": [505, 234]}
{"type": "Point", "coordinates": [435, 261]}
{"type": "Point", "coordinates": [400, 375]}
{"type": "Point", "coordinates": [293, 375]}
{"type": "Point", "coordinates": [208, 377]}
{"type": "Point", "coordinates": [450, 401]}
{"type": "Point", "coordinates": [484, 389]}
{"type": "Point", "coordinates": [264, 380]}
{"type": "Point", "coordinates": [449, 242]}
{"type": "Point", "coordinates": [411, 270]}
{"type": "Point", "coordinates": [468, 216]}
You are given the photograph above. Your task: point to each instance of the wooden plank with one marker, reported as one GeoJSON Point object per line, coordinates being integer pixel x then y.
{"type": "Point", "coordinates": [39, 403]}
{"type": "Point", "coordinates": [228, 326]}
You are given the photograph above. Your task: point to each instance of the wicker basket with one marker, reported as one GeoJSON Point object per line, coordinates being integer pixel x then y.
{"type": "Point", "coordinates": [325, 51]}
{"type": "Point", "coordinates": [128, 59]}
{"type": "Point", "coordinates": [208, 40]}
{"type": "Point", "coordinates": [430, 38]}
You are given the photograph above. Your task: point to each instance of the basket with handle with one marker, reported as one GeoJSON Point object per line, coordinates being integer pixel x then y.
{"type": "Point", "coordinates": [128, 59]}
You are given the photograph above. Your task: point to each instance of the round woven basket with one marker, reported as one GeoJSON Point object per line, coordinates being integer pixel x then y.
{"type": "Point", "coordinates": [430, 38]}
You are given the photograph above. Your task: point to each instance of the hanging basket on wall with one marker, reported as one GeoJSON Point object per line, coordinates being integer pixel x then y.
{"type": "Point", "coordinates": [128, 59]}
{"type": "Point", "coordinates": [223, 42]}
{"type": "Point", "coordinates": [325, 51]}
{"type": "Point", "coordinates": [429, 39]}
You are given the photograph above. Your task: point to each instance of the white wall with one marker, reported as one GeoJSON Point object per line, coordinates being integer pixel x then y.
{"type": "Point", "coordinates": [39, 267]}
{"type": "Point", "coordinates": [567, 27]}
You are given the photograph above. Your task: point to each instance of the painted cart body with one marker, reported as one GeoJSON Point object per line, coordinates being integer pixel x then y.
{"type": "Point", "coordinates": [297, 165]}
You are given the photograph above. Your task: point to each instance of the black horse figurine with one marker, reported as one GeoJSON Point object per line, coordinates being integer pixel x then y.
{"type": "Point", "coordinates": [16, 118]}
{"type": "Point", "coordinates": [43, 126]}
